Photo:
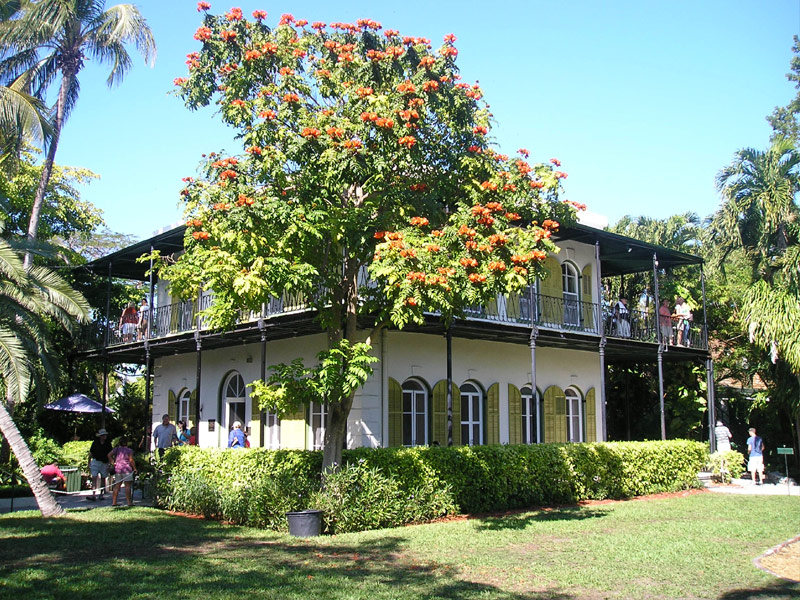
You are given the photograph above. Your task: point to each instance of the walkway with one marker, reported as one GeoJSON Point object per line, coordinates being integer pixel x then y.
{"type": "Point", "coordinates": [746, 486]}
{"type": "Point", "coordinates": [77, 500]}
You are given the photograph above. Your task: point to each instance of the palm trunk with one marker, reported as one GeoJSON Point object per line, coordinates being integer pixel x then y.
{"type": "Point", "coordinates": [47, 168]}
{"type": "Point", "coordinates": [44, 498]}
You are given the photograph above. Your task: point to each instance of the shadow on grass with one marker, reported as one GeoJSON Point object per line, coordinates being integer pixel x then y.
{"type": "Point", "coordinates": [521, 521]}
{"type": "Point", "coordinates": [779, 590]}
{"type": "Point", "coordinates": [148, 553]}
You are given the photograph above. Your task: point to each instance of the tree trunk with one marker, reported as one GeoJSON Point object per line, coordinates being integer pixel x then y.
{"type": "Point", "coordinates": [335, 434]}
{"type": "Point", "coordinates": [47, 168]}
{"type": "Point", "coordinates": [44, 498]}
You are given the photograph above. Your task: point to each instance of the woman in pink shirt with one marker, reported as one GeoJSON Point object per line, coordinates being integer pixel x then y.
{"type": "Point", "coordinates": [124, 468]}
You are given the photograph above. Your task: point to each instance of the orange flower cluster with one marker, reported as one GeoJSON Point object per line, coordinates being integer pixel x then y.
{"type": "Point", "coordinates": [560, 175]}
{"type": "Point", "coordinates": [488, 185]}
{"type": "Point", "coordinates": [201, 6]}
{"type": "Point", "coordinates": [577, 205]}
{"type": "Point", "coordinates": [480, 129]}
{"type": "Point", "coordinates": [418, 187]}
{"type": "Point", "coordinates": [498, 239]}
{"type": "Point", "coordinates": [477, 277]}
{"type": "Point", "coordinates": [353, 144]}
{"type": "Point", "coordinates": [286, 19]}
{"type": "Point", "coordinates": [416, 102]}
{"type": "Point", "coordinates": [408, 253]}
{"type": "Point", "coordinates": [252, 55]}
{"type": "Point", "coordinates": [259, 14]}
{"type": "Point", "coordinates": [286, 71]}
{"type": "Point", "coordinates": [509, 187]}
{"type": "Point", "coordinates": [291, 97]}
{"type": "Point", "coordinates": [464, 230]}
{"type": "Point", "coordinates": [384, 123]}
{"type": "Point", "coordinates": [437, 233]}
{"type": "Point", "coordinates": [227, 174]}
{"type": "Point", "coordinates": [536, 184]}
{"type": "Point", "coordinates": [394, 235]}
{"type": "Point", "coordinates": [225, 162]}
{"type": "Point", "coordinates": [391, 33]}
{"type": "Point", "coordinates": [408, 141]}
{"type": "Point", "coordinates": [556, 162]}
{"type": "Point", "coordinates": [318, 25]}
{"type": "Point", "coordinates": [335, 132]}
{"type": "Point", "coordinates": [415, 41]}
{"type": "Point", "coordinates": [201, 235]}
{"type": "Point", "coordinates": [523, 167]}
{"type": "Point", "coordinates": [322, 73]}
{"type": "Point", "coordinates": [228, 35]}
{"type": "Point", "coordinates": [269, 48]}
{"type": "Point", "coordinates": [471, 245]}
{"type": "Point", "coordinates": [368, 24]}
{"type": "Point", "coordinates": [221, 206]}
{"type": "Point", "coordinates": [449, 51]}
{"type": "Point", "coordinates": [395, 51]}
{"type": "Point", "coordinates": [468, 262]}
{"type": "Point", "coordinates": [448, 271]}
{"type": "Point", "coordinates": [475, 93]}
{"type": "Point", "coordinates": [369, 116]}
{"type": "Point", "coordinates": [416, 276]}
{"type": "Point", "coordinates": [203, 34]}
{"type": "Point", "coordinates": [512, 216]}
{"type": "Point", "coordinates": [244, 200]}
{"type": "Point", "coordinates": [430, 86]}
{"type": "Point", "coordinates": [268, 114]}
{"type": "Point", "coordinates": [254, 150]}
{"type": "Point", "coordinates": [550, 224]}
{"type": "Point", "coordinates": [310, 132]}
{"type": "Point", "coordinates": [497, 265]}
{"type": "Point", "coordinates": [379, 235]}
{"type": "Point", "coordinates": [411, 301]}
{"type": "Point", "coordinates": [179, 80]}
{"type": "Point", "coordinates": [408, 115]}
{"type": "Point", "coordinates": [523, 152]}
{"type": "Point", "coordinates": [227, 70]}
{"type": "Point", "coordinates": [363, 92]}
{"type": "Point", "coordinates": [433, 248]}
{"type": "Point", "coordinates": [521, 270]}
{"type": "Point", "coordinates": [419, 221]}
{"type": "Point", "coordinates": [238, 103]}
{"type": "Point", "coordinates": [427, 62]}
{"type": "Point", "coordinates": [194, 223]}
{"type": "Point", "coordinates": [494, 206]}
{"type": "Point", "coordinates": [194, 59]}
{"type": "Point", "coordinates": [406, 87]}
{"type": "Point", "coordinates": [475, 149]}
{"type": "Point", "coordinates": [345, 57]}
{"type": "Point", "coordinates": [235, 14]}
{"type": "Point", "coordinates": [376, 55]}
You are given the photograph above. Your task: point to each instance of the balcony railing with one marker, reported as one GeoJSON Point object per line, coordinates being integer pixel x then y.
{"type": "Point", "coordinates": [547, 312]}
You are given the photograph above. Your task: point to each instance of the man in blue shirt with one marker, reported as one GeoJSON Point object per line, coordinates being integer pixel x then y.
{"type": "Point", "coordinates": [755, 446]}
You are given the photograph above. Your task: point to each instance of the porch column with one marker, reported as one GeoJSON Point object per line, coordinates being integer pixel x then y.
{"type": "Point", "coordinates": [263, 327]}
{"type": "Point", "coordinates": [148, 372]}
{"type": "Point", "coordinates": [602, 330]}
{"type": "Point", "coordinates": [105, 390]}
{"type": "Point", "coordinates": [660, 350]}
{"type": "Point", "coordinates": [534, 393]}
{"type": "Point", "coordinates": [152, 319]}
{"type": "Point", "coordinates": [705, 309]}
{"type": "Point", "coordinates": [712, 404]}
{"type": "Point", "coordinates": [108, 309]}
{"type": "Point", "coordinates": [449, 337]}
{"type": "Point", "coordinates": [198, 377]}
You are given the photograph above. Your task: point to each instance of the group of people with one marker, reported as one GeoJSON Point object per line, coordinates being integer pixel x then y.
{"type": "Point", "coordinates": [166, 435]}
{"type": "Point", "coordinates": [755, 449]}
{"type": "Point", "coordinates": [133, 322]}
{"type": "Point", "coordinates": [681, 317]}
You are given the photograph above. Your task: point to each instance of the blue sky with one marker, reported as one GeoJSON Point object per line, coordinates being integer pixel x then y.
{"type": "Point", "coordinates": [643, 102]}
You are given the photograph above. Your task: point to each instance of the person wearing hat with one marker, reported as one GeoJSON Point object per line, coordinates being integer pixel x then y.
{"type": "Point", "coordinates": [98, 463]}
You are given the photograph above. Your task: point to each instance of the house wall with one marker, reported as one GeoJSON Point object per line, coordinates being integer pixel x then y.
{"type": "Point", "coordinates": [402, 355]}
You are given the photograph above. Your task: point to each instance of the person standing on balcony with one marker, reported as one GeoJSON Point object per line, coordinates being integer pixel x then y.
{"type": "Point", "coordinates": [622, 318]}
{"type": "Point", "coordinates": [665, 322]}
{"type": "Point", "coordinates": [127, 323]}
{"type": "Point", "coordinates": [144, 315]}
{"type": "Point", "coordinates": [683, 314]}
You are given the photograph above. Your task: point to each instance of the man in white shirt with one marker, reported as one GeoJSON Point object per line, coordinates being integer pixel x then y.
{"type": "Point", "coordinates": [165, 436]}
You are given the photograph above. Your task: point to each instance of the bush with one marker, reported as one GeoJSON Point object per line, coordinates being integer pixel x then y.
{"type": "Point", "coordinates": [391, 486]}
{"type": "Point", "coordinates": [77, 454]}
{"type": "Point", "coordinates": [726, 465]}
{"type": "Point", "coordinates": [45, 450]}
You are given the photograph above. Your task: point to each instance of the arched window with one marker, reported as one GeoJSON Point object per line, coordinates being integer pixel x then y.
{"type": "Point", "coordinates": [184, 402]}
{"type": "Point", "coordinates": [471, 415]}
{"type": "Point", "coordinates": [415, 413]}
{"type": "Point", "coordinates": [571, 293]}
{"type": "Point", "coordinates": [574, 415]}
{"type": "Point", "coordinates": [234, 401]}
{"type": "Point", "coordinates": [316, 417]}
{"type": "Point", "coordinates": [529, 424]}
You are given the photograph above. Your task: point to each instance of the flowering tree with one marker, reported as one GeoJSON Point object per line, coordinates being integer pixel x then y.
{"type": "Point", "coordinates": [362, 151]}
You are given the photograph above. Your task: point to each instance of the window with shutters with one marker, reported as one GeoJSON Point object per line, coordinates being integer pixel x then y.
{"type": "Point", "coordinates": [528, 304]}
{"type": "Point", "coordinates": [184, 400]}
{"type": "Point", "coordinates": [529, 424]}
{"type": "Point", "coordinates": [272, 430]}
{"type": "Point", "coordinates": [415, 414]}
{"type": "Point", "coordinates": [571, 293]}
{"type": "Point", "coordinates": [234, 399]}
{"type": "Point", "coordinates": [316, 416]}
{"type": "Point", "coordinates": [574, 415]}
{"type": "Point", "coordinates": [471, 415]}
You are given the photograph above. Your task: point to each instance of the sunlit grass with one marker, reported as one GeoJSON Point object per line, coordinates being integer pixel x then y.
{"type": "Point", "coordinates": [697, 546]}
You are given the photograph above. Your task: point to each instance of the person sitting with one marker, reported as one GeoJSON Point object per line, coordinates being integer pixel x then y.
{"type": "Point", "coordinates": [236, 439]}
{"type": "Point", "coordinates": [53, 477]}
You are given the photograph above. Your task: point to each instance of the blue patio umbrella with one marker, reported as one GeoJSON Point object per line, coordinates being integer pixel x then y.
{"type": "Point", "coordinates": [78, 403]}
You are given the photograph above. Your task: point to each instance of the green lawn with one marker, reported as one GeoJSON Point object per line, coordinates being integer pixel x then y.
{"type": "Point", "coordinates": [696, 546]}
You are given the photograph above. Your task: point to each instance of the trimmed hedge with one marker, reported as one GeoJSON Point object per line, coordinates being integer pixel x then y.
{"type": "Point", "coordinates": [258, 486]}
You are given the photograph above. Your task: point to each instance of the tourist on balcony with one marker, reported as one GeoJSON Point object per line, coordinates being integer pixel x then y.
{"type": "Point", "coordinates": [237, 439]}
{"type": "Point", "coordinates": [128, 321]}
{"type": "Point", "coordinates": [622, 318]}
{"type": "Point", "coordinates": [683, 315]}
{"type": "Point", "coordinates": [144, 315]}
{"type": "Point", "coordinates": [665, 322]}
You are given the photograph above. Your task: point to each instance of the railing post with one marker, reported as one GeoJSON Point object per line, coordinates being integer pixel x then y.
{"type": "Point", "coordinates": [656, 300]}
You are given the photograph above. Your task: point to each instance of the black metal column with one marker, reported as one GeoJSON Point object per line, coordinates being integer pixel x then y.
{"type": "Point", "coordinates": [601, 328]}
{"type": "Point", "coordinates": [263, 327]}
{"type": "Point", "coordinates": [534, 393]}
{"type": "Point", "coordinates": [148, 375]}
{"type": "Point", "coordinates": [660, 350]}
{"type": "Point", "coordinates": [198, 377]}
{"type": "Point", "coordinates": [449, 337]}
{"type": "Point", "coordinates": [712, 404]}
{"type": "Point", "coordinates": [152, 315]}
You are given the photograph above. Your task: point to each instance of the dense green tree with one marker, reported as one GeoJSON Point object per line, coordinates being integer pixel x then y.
{"type": "Point", "coordinates": [48, 41]}
{"type": "Point", "coordinates": [784, 118]}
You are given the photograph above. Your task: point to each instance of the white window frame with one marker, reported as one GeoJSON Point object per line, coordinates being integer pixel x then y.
{"type": "Point", "coordinates": [570, 275]}
{"type": "Point", "coordinates": [573, 399]}
{"type": "Point", "coordinates": [317, 410]}
{"type": "Point", "coordinates": [530, 416]}
{"type": "Point", "coordinates": [234, 392]}
{"type": "Point", "coordinates": [272, 430]}
{"type": "Point", "coordinates": [184, 404]}
{"type": "Point", "coordinates": [416, 391]}
{"type": "Point", "coordinates": [469, 419]}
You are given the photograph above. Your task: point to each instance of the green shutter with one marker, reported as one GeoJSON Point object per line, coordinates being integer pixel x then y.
{"type": "Point", "coordinates": [514, 415]}
{"type": "Point", "coordinates": [193, 408]}
{"type": "Point", "coordinates": [591, 417]}
{"type": "Point", "coordinates": [493, 414]}
{"type": "Point", "coordinates": [172, 406]}
{"type": "Point", "coordinates": [586, 297]}
{"type": "Point", "coordinates": [255, 423]}
{"type": "Point", "coordinates": [456, 416]}
{"type": "Point", "coordinates": [551, 289]}
{"type": "Point", "coordinates": [439, 426]}
{"type": "Point", "coordinates": [555, 415]}
{"type": "Point", "coordinates": [395, 413]}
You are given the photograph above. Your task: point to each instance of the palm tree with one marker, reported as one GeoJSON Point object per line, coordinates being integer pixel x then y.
{"type": "Point", "coordinates": [22, 119]}
{"type": "Point", "coordinates": [48, 40]}
{"type": "Point", "coordinates": [30, 299]}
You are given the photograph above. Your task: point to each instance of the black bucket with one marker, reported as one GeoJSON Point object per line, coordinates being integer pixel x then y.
{"type": "Point", "coordinates": [305, 523]}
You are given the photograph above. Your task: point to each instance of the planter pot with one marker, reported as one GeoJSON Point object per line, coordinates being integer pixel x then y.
{"type": "Point", "coordinates": [305, 523]}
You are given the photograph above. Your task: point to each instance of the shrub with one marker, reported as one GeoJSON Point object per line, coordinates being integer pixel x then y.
{"type": "Point", "coordinates": [726, 465]}
{"type": "Point", "coordinates": [77, 454]}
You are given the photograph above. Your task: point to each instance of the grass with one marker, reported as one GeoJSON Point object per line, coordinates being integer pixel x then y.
{"type": "Point", "coordinates": [694, 546]}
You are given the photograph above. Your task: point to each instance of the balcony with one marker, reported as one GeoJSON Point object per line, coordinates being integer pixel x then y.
{"type": "Point", "coordinates": [565, 315]}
